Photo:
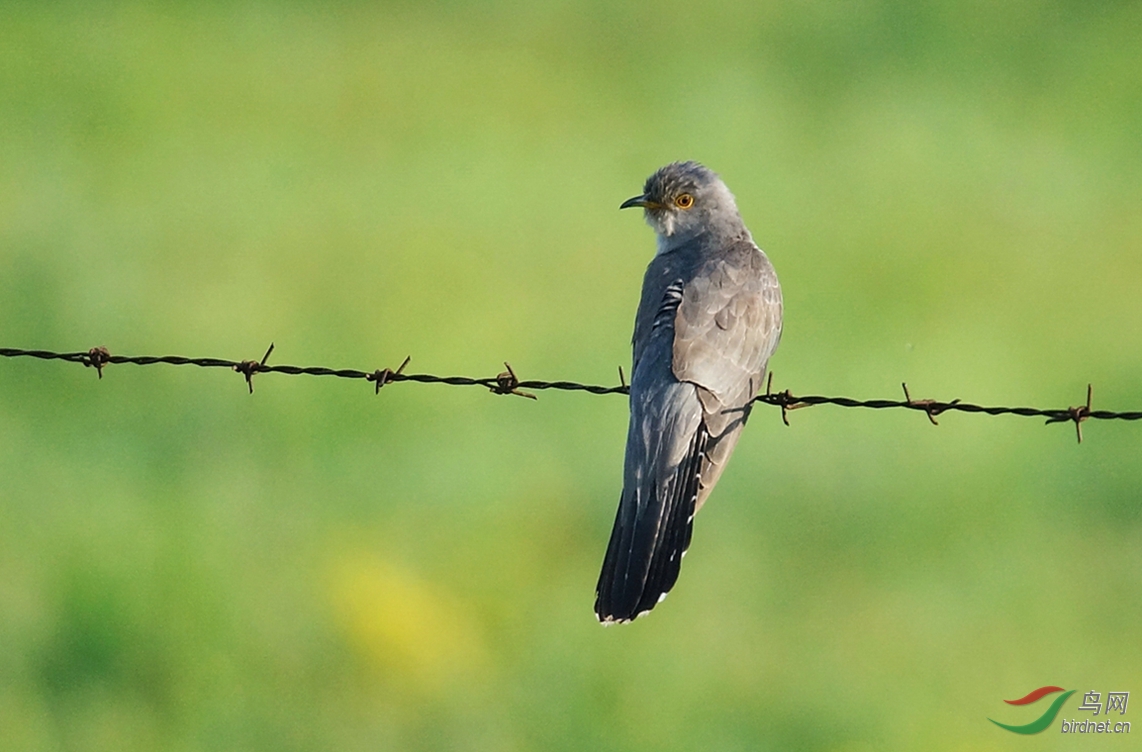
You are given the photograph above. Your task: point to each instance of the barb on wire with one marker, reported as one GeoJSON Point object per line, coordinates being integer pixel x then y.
{"type": "Point", "coordinates": [387, 375]}
{"type": "Point", "coordinates": [508, 383]}
{"type": "Point", "coordinates": [785, 400]}
{"type": "Point", "coordinates": [930, 407]}
{"type": "Point", "coordinates": [97, 357]}
{"type": "Point", "coordinates": [246, 367]}
{"type": "Point", "coordinates": [1077, 414]}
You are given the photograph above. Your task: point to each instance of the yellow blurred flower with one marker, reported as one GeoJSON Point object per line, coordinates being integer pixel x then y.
{"type": "Point", "coordinates": [403, 623]}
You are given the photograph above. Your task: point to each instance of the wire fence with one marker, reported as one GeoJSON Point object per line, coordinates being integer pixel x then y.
{"type": "Point", "coordinates": [508, 383]}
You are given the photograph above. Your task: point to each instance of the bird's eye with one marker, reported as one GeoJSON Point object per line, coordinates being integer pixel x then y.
{"type": "Point", "coordinates": [684, 201]}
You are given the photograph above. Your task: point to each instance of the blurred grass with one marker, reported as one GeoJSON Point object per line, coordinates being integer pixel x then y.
{"type": "Point", "coordinates": [950, 193]}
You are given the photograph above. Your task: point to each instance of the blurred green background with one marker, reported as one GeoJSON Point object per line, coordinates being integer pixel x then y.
{"type": "Point", "coordinates": [951, 193]}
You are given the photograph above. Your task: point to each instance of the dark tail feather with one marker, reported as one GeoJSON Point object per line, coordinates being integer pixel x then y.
{"type": "Point", "coordinates": [644, 555]}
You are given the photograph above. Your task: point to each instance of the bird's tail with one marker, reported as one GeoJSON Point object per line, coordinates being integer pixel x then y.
{"type": "Point", "coordinates": [652, 530]}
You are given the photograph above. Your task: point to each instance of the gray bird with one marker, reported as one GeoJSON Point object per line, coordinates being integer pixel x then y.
{"type": "Point", "coordinates": [709, 318]}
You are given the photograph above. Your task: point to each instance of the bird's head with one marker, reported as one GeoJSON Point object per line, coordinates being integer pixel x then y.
{"type": "Point", "coordinates": [685, 199]}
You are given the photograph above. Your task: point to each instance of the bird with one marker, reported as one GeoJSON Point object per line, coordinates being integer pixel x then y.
{"type": "Point", "coordinates": [709, 319]}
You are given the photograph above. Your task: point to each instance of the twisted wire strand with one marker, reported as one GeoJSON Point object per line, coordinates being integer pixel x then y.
{"type": "Point", "coordinates": [508, 383]}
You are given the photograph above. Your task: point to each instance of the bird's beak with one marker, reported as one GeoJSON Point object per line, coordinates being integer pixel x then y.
{"type": "Point", "coordinates": [642, 201]}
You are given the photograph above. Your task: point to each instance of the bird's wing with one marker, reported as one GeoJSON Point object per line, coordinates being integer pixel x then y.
{"type": "Point", "coordinates": [728, 324]}
{"type": "Point", "coordinates": [726, 327]}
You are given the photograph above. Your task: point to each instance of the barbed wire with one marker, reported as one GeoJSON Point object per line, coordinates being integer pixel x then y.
{"type": "Point", "coordinates": [508, 383]}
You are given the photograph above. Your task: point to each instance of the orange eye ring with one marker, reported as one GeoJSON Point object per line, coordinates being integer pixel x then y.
{"type": "Point", "coordinates": [684, 201]}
